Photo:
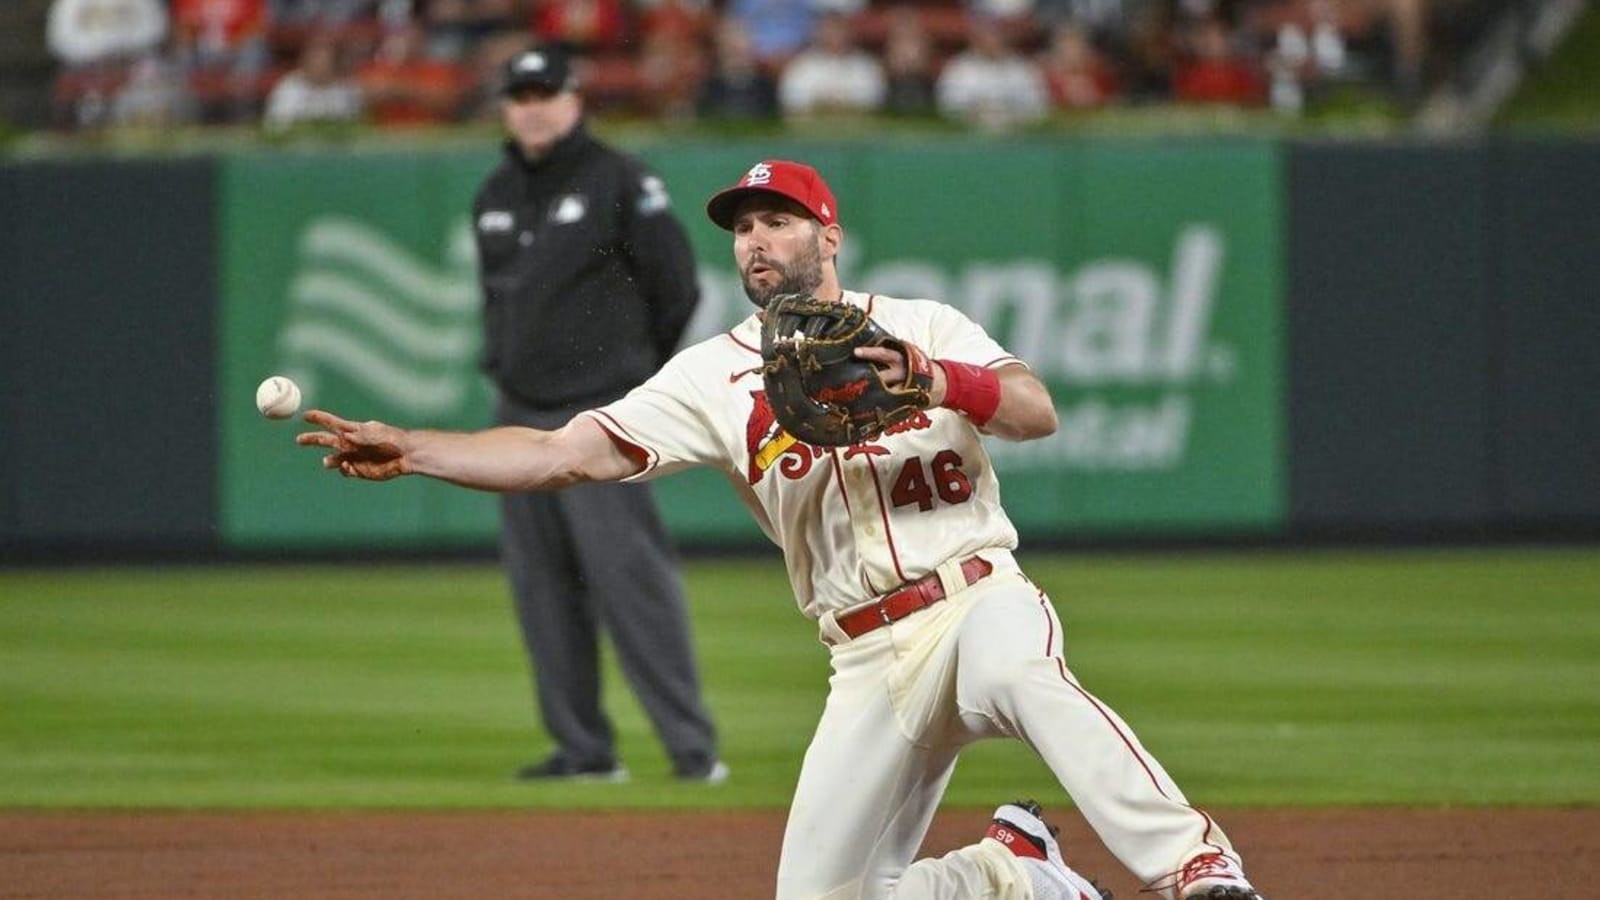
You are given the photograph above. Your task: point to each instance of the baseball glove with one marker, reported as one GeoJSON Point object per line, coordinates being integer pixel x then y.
{"type": "Point", "coordinates": [819, 391]}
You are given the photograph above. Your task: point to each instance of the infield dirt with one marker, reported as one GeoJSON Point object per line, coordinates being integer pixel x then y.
{"type": "Point", "coordinates": [1320, 854]}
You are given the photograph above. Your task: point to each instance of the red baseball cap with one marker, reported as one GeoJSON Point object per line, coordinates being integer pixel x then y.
{"type": "Point", "coordinates": [797, 181]}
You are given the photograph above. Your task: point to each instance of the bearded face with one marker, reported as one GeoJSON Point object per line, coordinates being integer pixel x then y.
{"type": "Point", "coordinates": [765, 277]}
{"type": "Point", "coordinates": [779, 248]}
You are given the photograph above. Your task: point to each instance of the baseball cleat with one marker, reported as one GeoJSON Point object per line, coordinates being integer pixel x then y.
{"type": "Point", "coordinates": [1214, 876]}
{"type": "Point", "coordinates": [1018, 827]}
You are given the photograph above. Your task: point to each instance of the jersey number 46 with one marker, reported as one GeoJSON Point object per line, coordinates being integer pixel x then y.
{"type": "Point", "coordinates": [916, 485]}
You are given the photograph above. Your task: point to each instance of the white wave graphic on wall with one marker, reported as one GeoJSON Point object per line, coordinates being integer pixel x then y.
{"type": "Point", "coordinates": [364, 308]}
{"type": "Point", "coordinates": [355, 301]}
{"type": "Point", "coordinates": [336, 238]}
{"type": "Point", "coordinates": [389, 381]}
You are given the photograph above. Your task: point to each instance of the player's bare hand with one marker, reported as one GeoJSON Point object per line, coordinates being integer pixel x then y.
{"type": "Point", "coordinates": [891, 365]}
{"type": "Point", "coordinates": [370, 450]}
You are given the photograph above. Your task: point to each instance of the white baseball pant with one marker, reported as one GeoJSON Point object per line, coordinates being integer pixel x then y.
{"type": "Point", "coordinates": [902, 702]}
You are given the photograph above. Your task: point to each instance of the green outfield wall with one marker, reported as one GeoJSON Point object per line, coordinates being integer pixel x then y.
{"type": "Point", "coordinates": [1245, 338]}
{"type": "Point", "coordinates": [1143, 282]}
{"type": "Point", "coordinates": [108, 375]}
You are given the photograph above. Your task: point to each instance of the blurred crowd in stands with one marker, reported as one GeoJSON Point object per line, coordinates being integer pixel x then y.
{"type": "Point", "coordinates": [990, 63]}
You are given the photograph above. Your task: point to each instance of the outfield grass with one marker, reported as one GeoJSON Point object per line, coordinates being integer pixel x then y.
{"type": "Point", "coordinates": [1416, 678]}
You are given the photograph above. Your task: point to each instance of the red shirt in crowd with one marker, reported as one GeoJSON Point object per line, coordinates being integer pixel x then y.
{"type": "Point", "coordinates": [584, 24]}
{"type": "Point", "coordinates": [218, 24]}
{"type": "Point", "coordinates": [1218, 81]}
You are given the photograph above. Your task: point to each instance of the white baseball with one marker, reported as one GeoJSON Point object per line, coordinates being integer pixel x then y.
{"type": "Point", "coordinates": [278, 397]}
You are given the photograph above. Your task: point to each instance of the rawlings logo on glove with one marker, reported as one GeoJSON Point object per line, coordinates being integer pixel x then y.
{"type": "Point", "coordinates": [819, 391]}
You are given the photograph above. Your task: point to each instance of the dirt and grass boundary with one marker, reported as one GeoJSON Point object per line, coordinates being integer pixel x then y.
{"type": "Point", "coordinates": [1305, 854]}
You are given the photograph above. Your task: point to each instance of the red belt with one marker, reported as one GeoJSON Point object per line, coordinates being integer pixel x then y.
{"type": "Point", "coordinates": [919, 594]}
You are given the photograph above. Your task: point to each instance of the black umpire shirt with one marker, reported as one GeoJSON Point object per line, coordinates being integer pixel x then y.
{"type": "Point", "coordinates": [588, 278]}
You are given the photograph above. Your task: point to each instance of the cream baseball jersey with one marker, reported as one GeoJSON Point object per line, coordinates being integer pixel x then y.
{"type": "Point", "coordinates": [854, 522]}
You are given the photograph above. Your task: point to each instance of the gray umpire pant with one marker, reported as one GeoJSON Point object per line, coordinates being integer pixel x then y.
{"type": "Point", "coordinates": [593, 557]}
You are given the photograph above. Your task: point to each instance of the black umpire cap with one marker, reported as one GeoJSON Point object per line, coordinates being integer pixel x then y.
{"type": "Point", "coordinates": [545, 68]}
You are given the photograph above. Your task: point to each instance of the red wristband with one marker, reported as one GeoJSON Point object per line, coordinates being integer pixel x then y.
{"type": "Point", "coordinates": [971, 390]}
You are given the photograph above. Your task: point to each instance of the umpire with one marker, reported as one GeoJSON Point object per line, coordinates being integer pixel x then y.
{"type": "Point", "coordinates": [588, 281]}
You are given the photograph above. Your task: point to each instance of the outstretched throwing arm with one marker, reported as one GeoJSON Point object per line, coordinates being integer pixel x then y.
{"type": "Point", "coordinates": [499, 459]}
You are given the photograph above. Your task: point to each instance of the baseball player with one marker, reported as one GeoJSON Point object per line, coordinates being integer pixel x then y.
{"type": "Point", "coordinates": [900, 551]}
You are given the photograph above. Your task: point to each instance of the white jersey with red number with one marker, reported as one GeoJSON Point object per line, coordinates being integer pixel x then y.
{"type": "Point", "coordinates": [854, 522]}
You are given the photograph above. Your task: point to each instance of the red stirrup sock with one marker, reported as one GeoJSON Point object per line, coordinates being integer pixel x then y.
{"type": "Point", "coordinates": [969, 389]}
